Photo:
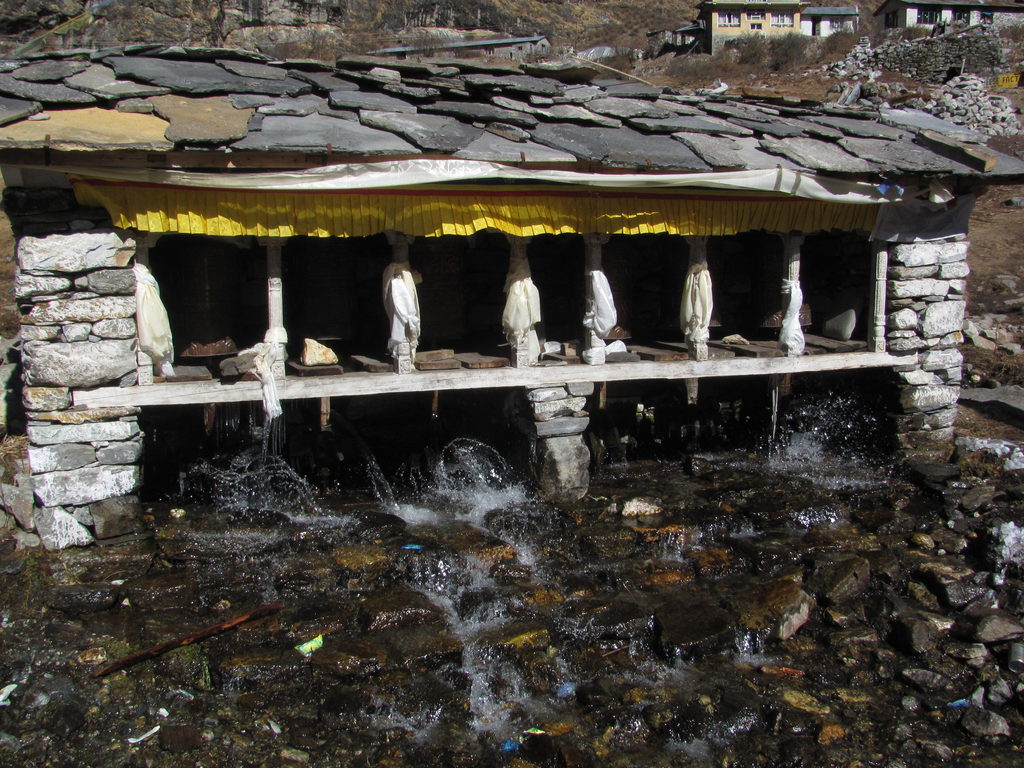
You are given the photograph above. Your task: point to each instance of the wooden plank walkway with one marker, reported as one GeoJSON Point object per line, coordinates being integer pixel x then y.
{"type": "Point", "coordinates": [352, 384]}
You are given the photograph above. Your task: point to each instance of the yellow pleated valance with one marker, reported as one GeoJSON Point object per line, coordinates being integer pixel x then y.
{"type": "Point", "coordinates": [432, 211]}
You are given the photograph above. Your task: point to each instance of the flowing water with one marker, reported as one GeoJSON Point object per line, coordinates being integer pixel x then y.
{"type": "Point", "coordinates": [448, 617]}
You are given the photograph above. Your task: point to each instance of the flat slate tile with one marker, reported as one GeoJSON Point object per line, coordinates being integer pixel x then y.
{"type": "Point", "coordinates": [563, 71]}
{"type": "Point", "coordinates": [575, 114]}
{"type": "Point", "coordinates": [313, 133]}
{"type": "Point", "coordinates": [635, 91]}
{"type": "Point", "coordinates": [253, 69]}
{"type": "Point", "coordinates": [515, 84]}
{"type": "Point", "coordinates": [380, 102]}
{"type": "Point", "coordinates": [629, 149]}
{"type": "Point", "coordinates": [733, 152]}
{"type": "Point", "coordinates": [480, 113]}
{"type": "Point", "coordinates": [865, 129]}
{"type": "Point", "coordinates": [12, 110]}
{"type": "Point", "coordinates": [495, 149]}
{"type": "Point", "coordinates": [200, 78]}
{"type": "Point", "coordinates": [300, 105]}
{"type": "Point", "coordinates": [89, 129]}
{"type": "Point", "coordinates": [210, 120]}
{"type": "Point", "coordinates": [435, 133]}
{"type": "Point", "coordinates": [323, 81]}
{"type": "Point", "coordinates": [49, 71]}
{"type": "Point", "coordinates": [901, 156]}
{"type": "Point", "coordinates": [101, 81]}
{"type": "Point", "coordinates": [587, 144]}
{"type": "Point", "coordinates": [579, 94]}
{"type": "Point", "coordinates": [626, 108]}
{"type": "Point", "coordinates": [817, 155]}
{"type": "Point", "coordinates": [915, 120]}
{"type": "Point", "coordinates": [690, 124]}
{"type": "Point", "coordinates": [45, 93]}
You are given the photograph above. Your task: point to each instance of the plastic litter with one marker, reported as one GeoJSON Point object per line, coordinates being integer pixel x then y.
{"type": "Point", "coordinates": [307, 648]}
{"type": "Point", "coordinates": [510, 745]}
{"type": "Point", "coordinates": [565, 690]}
{"type": "Point", "coordinates": [177, 513]}
{"type": "Point", "coordinates": [5, 694]}
{"type": "Point", "coordinates": [162, 712]}
{"type": "Point", "coordinates": [959, 704]}
{"type": "Point", "coordinates": [183, 694]}
{"type": "Point", "coordinates": [414, 547]}
{"type": "Point", "coordinates": [535, 731]}
{"type": "Point", "coordinates": [148, 734]}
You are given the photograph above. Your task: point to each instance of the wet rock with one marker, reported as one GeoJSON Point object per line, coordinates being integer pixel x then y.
{"type": "Point", "coordinates": [362, 566]}
{"type": "Point", "coordinates": [610, 543]}
{"type": "Point", "coordinates": [78, 599]}
{"type": "Point", "coordinates": [57, 704]}
{"type": "Point", "coordinates": [264, 670]}
{"type": "Point", "coordinates": [995, 628]}
{"type": "Point", "coordinates": [984, 724]}
{"type": "Point", "coordinates": [640, 506]}
{"type": "Point", "coordinates": [998, 692]}
{"type": "Point", "coordinates": [166, 590]}
{"type": "Point", "coordinates": [715, 562]}
{"type": "Point", "coordinates": [935, 750]}
{"type": "Point", "coordinates": [517, 636]}
{"type": "Point", "coordinates": [915, 634]}
{"type": "Point", "coordinates": [397, 608]}
{"type": "Point", "coordinates": [974, 655]}
{"type": "Point", "coordinates": [840, 577]}
{"type": "Point", "coordinates": [924, 679]}
{"type": "Point", "coordinates": [951, 583]}
{"type": "Point", "coordinates": [59, 530]}
{"type": "Point", "coordinates": [689, 629]}
{"type": "Point", "coordinates": [781, 606]}
{"type": "Point", "coordinates": [419, 648]}
{"type": "Point", "coordinates": [561, 467]}
{"type": "Point", "coordinates": [180, 738]}
{"type": "Point", "coordinates": [379, 526]}
{"type": "Point", "coordinates": [346, 656]}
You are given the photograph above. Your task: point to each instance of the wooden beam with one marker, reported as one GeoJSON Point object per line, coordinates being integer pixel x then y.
{"type": "Point", "coordinates": [355, 384]}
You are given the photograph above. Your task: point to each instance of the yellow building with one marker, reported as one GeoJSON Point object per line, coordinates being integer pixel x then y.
{"type": "Point", "coordinates": [724, 20]}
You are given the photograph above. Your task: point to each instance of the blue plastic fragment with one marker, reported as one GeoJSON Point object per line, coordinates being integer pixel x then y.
{"type": "Point", "coordinates": [959, 704]}
{"type": "Point", "coordinates": [510, 745]}
{"type": "Point", "coordinates": [412, 546]}
{"type": "Point", "coordinates": [565, 690]}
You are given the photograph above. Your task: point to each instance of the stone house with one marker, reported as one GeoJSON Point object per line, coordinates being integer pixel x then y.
{"type": "Point", "coordinates": [203, 227]}
{"type": "Point", "coordinates": [825, 20]}
{"type": "Point", "coordinates": [917, 13]}
{"type": "Point", "coordinates": [517, 48]}
{"type": "Point", "coordinates": [725, 20]}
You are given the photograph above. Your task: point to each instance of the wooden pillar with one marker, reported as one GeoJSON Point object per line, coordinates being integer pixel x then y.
{"type": "Point", "coordinates": [144, 242]}
{"type": "Point", "coordinates": [404, 352]}
{"type": "Point", "coordinates": [276, 333]}
{"type": "Point", "coordinates": [792, 299]}
{"type": "Point", "coordinates": [520, 355]}
{"type": "Point", "coordinates": [879, 284]}
{"type": "Point", "coordinates": [593, 344]}
{"type": "Point", "coordinates": [696, 331]}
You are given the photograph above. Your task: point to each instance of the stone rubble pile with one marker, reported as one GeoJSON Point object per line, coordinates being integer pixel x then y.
{"type": "Point", "coordinates": [76, 290]}
{"type": "Point", "coordinates": [965, 100]}
{"type": "Point", "coordinates": [926, 312]}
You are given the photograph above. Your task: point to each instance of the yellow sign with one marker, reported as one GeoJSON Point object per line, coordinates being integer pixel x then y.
{"type": "Point", "coordinates": [1007, 81]}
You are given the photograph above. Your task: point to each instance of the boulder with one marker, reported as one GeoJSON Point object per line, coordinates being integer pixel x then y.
{"type": "Point", "coordinates": [561, 466]}
{"type": "Point", "coordinates": [59, 530]}
{"type": "Point", "coordinates": [315, 353]}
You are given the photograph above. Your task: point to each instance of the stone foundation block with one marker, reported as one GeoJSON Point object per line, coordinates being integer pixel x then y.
{"type": "Point", "coordinates": [86, 485]}
{"type": "Point", "coordinates": [81, 364]}
{"type": "Point", "coordinates": [116, 517]}
{"type": "Point", "coordinates": [555, 427]}
{"type": "Point", "coordinates": [102, 431]}
{"type": "Point", "coordinates": [581, 388]}
{"type": "Point", "coordinates": [552, 408]}
{"type": "Point", "coordinates": [941, 358]}
{"type": "Point", "coordinates": [943, 317]}
{"type": "Point", "coordinates": [118, 328]}
{"type": "Point", "coordinates": [918, 378]}
{"type": "Point", "coordinates": [546, 394]}
{"type": "Point", "coordinates": [913, 273]}
{"type": "Point", "coordinates": [900, 346]}
{"type": "Point", "coordinates": [928, 398]}
{"type": "Point", "coordinates": [561, 468]}
{"type": "Point", "coordinates": [45, 398]}
{"type": "Point", "coordinates": [52, 458]}
{"type": "Point", "coordinates": [39, 332]}
{"type": "Point", "coordinates": [27, 286]}
{"type": "Point", "coordinates": [20, 503]}
{"type": "Point", "coordinates": [76, 252]}
{"type": "Point", "coordinates": [120, 453]}
{"type": "Point", "coordinates": [911, 289]}
{"type": "Point", "coordinates": [923, 254]}
{"type": "Point", "coordinates": [86, 415]}
{"type": "Point", "coordinates": [955, 269]}
{"type": "Point", "coordinates": [903, 320]}
{"type": "Point", "coordinates": [81, 310]}
{"type": "Point", "coordinates": [75, 332]}
{"type": "Point", "coordinates": [107, 282]}
{"type": "Point", "coordinates": [59, 530]}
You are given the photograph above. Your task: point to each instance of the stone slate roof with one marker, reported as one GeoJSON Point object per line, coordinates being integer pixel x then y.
{"type": "Point", "coordinates": [208, 102]}
{"type": "Point", "coordinates": [830, 10]}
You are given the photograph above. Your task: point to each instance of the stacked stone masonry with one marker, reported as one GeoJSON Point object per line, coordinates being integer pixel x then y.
{"type": "Point", "coordinates": [554, 419]}
{"type": "Point", "coordinates": [926, 313]}
{"type": "Point", "coordinates": [76, 292]}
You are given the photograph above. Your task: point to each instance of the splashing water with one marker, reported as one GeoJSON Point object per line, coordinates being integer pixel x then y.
{"type": "Point", "coordinates": [251, 481]}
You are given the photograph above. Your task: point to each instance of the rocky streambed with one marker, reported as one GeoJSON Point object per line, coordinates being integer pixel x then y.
{"type": "Point", "coordinates": [724, 610]}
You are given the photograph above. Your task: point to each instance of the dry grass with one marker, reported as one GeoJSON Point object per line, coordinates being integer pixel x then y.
{"type": "Point", "coordinates": [14, 454]}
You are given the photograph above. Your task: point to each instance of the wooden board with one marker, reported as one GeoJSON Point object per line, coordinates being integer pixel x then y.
{"type": "Point", "coordinates": [432, 355]}
{"type": "Point", "coordinates": [557, 357]}
{"type": "Point", "coordinates": [760, 349]}
{"type": "Point", "coordinates": [713, 352]}
{"type": "Point", "coordinates": [187, 373]}
{"type": "Point", "coordinates": [372, 365]}
{"type": "Point", "coordinates": [658, 355]}
{"type": "Point", "coordinates": [834, 345]}
{"type": "Point", "coordinates": [441, 364]}
{"type": "Point", "coordinates": [315, 370]}
{"type": "Point", "coordinates": [622, 357]}
{"type": "Point", "coordinates": [353, 384]}
{"type": "Point", "coordinates": [475, 360]}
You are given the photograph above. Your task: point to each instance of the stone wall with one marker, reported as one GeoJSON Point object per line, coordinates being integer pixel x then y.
{"type": "Point", "coordinates": [76, 292]}
{"type": "Point", "coordinates": [554, 419]}
{"type": "Point", "coordinates": [927, 59]}
{"type": "Point", "coordinates": [925, 317]}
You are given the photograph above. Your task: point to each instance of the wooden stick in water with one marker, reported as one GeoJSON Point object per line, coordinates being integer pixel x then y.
{"type": "Point", "coordinates": [180, 642]}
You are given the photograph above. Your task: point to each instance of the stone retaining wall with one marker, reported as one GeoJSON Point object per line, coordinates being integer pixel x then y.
{"type": "Point", "coordinates": [927, 59]}
{"type": "Point", "coordinates": [925, 318]}
{"type": "Point", "coordinates": [554, 419]}
{"type": "Point", "coordinates": [76, 292]}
